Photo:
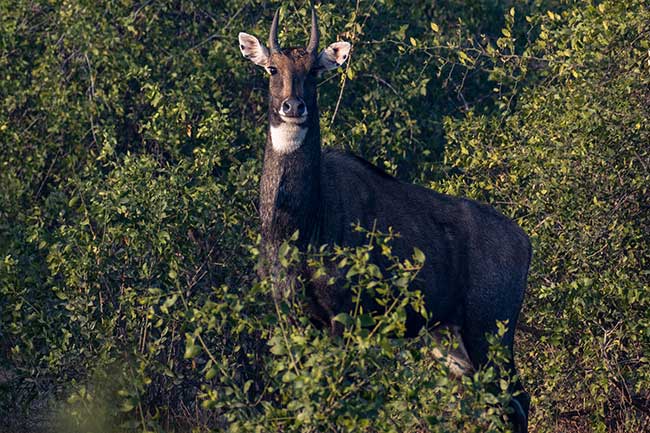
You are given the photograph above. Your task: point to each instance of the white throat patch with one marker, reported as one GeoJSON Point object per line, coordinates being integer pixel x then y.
{"type": "Point", "coordinates": [287, 137]}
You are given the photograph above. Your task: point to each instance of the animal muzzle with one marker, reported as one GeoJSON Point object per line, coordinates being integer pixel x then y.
{"type": "Point", "coordinates": [293, 107]}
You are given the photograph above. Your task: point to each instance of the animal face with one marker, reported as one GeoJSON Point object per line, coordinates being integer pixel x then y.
{"type": "Point", "coordinates": [292, 84]}
{"type": "Point", "coordinates": [293, 73]}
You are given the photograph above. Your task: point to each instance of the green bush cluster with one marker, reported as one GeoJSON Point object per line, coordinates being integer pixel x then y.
{"type": "Point", "coordinates": [569, 162]}
{"type": "Point", "coordinates": [131, 139]}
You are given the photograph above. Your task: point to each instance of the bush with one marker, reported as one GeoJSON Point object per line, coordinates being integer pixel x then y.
{"type": "Point", "coordinates": [568, 160]}
{"type": "Point", "coordinates": [131, 142]}
{"type": "Point", "coordinates": [370, 378]}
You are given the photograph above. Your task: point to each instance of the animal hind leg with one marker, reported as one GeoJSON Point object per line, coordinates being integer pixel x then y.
{"type": "Point", "coordinates": [450, 350]}
{"type": "Point", "coordinates": [476, 325]}
{"type": "Point", "coordinates": [520, 404]}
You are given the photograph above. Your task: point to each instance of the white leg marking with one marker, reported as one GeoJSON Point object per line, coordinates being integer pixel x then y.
{"type": "Point", "coordinates": [455, 355]}
{"type": "Point", "coordinates": [287, 137]}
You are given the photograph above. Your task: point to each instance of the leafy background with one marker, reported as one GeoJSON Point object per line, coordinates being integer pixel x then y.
{"type": "Point", "coordinates": [131, 139]}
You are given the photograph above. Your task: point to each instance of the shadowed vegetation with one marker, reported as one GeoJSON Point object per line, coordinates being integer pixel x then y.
{"type": "Point", "coordinates": [131, 140]}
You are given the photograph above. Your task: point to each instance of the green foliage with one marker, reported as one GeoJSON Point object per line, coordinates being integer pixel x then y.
{"type": "Point", "coordinates": [130, 151]}
{"type": "Point", "coordinates": [570, 163]}
{"type": "Point", "coordinates": [370, 378]}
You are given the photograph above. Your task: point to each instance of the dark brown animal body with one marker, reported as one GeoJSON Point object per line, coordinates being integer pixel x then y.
{"type": "Point", "coordinates": [476, 259]}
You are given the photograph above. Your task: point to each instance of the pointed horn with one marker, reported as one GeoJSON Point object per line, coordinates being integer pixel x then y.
{"type": "Point", "coordinates": [274, 45]}
{"type": "Point", "coordinates": [313, 38]}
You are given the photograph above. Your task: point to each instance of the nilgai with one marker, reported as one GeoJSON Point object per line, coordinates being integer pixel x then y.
{"type": "Point", "coordinates": [476, 259]}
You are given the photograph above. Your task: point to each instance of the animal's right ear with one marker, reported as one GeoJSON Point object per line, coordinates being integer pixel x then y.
{"type": "Point", "coordinates": [253, 50]}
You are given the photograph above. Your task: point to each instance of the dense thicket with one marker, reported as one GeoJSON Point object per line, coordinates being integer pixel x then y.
{"type": "Point", "coordinates": [131, 139]}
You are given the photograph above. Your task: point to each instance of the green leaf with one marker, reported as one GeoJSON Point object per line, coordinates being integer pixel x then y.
{"type": "Point", "coordinates": [366, 320]}
{"type": "Point", "coordinates": [127, 405]}
{"type": "Point", "coordinates": [278, 349]}
{"type": "Point", "coordinates": [211, 373]}
{"type": "Point", "coordinates": [191, 351]}
{"type": "Point", "coordinates": [418, 255]}
{"type": "Point", "coordinates": [343, 318]}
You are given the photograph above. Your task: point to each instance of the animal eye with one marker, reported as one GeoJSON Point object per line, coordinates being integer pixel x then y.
{"type": "Point", "coordinates": [272, 70]}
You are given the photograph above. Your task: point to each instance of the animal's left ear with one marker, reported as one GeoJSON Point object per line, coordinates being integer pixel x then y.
{"type": "Point", "coordinates": [333, 56]}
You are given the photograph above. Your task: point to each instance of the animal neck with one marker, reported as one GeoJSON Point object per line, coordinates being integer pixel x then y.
{"type": "Point", "coordinates": [290, 185]}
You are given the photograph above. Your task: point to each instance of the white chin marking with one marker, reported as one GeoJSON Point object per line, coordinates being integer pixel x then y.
{"type": "Point", "coordinates": [287, 137]}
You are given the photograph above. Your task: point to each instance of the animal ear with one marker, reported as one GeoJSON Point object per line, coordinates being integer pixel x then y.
{"type": "Point", "coordinates": [333, 56]}
{"type": "Point", "coordinates": [253, 50]}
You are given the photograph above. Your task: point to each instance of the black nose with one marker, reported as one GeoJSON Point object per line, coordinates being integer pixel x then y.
{"type": "Point", "coordinates": [293, 107]}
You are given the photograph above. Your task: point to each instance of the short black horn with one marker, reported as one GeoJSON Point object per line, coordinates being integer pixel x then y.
{"type": "Point", "coordinates": [274, 45]}
{"type": "Point", "coordinates": [313, 38]}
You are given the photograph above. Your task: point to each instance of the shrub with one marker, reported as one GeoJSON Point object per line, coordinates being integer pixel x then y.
{"type": "Point", "coordinates": [130, 154]}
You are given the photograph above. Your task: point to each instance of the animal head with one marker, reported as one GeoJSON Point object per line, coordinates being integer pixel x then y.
{"type": "Point", "coordinates": [293, 73]}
